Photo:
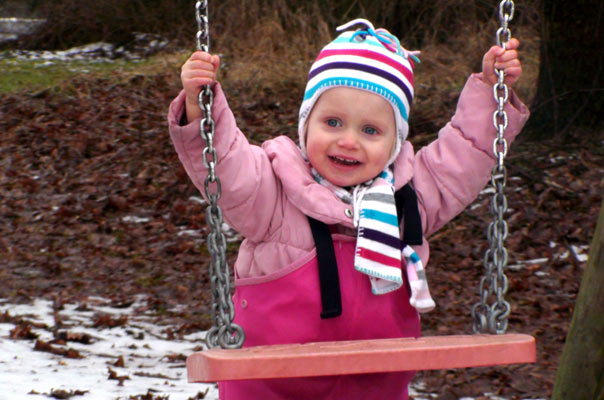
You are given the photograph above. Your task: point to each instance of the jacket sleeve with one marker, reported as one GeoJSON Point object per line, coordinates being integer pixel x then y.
{"type": "Point", "coordinates": [449, 173]}
{"type": "Point", "coordinates": [249, 188]}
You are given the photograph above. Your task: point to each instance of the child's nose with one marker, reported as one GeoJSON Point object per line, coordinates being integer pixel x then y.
{"type": "Point", "coordinates": [348, 139]}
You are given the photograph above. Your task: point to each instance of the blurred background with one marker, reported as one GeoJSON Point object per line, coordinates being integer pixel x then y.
{"type": "Point", "coordinates": [269, 44]}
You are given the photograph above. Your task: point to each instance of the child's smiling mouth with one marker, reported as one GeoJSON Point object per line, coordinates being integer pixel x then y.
{"type": "Point", "coordinates": [344, 161]}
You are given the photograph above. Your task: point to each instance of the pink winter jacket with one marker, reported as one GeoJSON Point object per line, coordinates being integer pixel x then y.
{"type": "Point", "coordinates": [268, 191]}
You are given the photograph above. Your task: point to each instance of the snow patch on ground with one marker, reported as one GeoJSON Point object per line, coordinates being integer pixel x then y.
{"type": "Point", "coordinates": [152, 362]}
{"type": "Point", "coordinates": [142, 46]}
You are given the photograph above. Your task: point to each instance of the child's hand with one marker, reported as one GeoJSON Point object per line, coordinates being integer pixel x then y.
{"type": "Point", "coordinates": [507, 60]}
{"type": "Point", "coordinates": [199, 70]}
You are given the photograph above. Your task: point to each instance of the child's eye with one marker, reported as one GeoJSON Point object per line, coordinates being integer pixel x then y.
{"type": "Point", "coordinates": [370, 130]}
{"type": "Point", "coordinates": [332, 122]}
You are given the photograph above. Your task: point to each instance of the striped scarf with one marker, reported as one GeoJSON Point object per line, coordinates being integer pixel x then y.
{"type": "Point", "coordinates": [379, 249]}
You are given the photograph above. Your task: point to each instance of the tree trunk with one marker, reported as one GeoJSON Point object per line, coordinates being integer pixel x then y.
{"type": "Point", "coordinates": [570, 88]}
{"type": "Point", "coordinates": [581, 371]}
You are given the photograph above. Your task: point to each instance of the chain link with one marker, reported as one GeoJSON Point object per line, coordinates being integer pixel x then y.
{"type": "Point", "coordinates": [223, 333]}
{"type": "Point", "coordinates": [493, 318]}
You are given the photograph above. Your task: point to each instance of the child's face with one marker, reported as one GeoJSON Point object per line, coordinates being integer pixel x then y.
{"type": "Point", "coordinates": [350, 135]}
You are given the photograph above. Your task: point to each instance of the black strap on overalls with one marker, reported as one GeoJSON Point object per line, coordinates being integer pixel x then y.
{"type": "Point", "coordinates": [329, 281]}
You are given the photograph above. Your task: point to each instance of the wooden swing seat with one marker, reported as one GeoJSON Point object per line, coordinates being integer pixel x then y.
{"type": "Point", "coordinates": [360, 357]}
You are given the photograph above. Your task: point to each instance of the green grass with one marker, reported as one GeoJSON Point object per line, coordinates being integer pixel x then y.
{"type": "Point", "coordinates": [31, 76]}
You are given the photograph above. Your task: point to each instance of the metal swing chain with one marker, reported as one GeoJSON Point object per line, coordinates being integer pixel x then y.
{"type": "Point", "coordinates": [223, 333]}
{"type": "Point", "coordinates": [493, 318]}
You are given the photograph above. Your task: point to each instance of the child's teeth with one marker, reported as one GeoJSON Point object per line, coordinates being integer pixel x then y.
{"type": "Point", "coordinates": [345, 161]}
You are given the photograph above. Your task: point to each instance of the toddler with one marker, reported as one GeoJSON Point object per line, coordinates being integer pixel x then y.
{"type": "Point", "coordinates": [330, 222]}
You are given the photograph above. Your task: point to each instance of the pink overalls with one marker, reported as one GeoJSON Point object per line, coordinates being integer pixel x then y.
{"type": "Point", "coordinates": [285, 307]}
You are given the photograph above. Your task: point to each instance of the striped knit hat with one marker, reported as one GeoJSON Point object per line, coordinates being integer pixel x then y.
{"type": "Point", "coordinates": [371, 60]}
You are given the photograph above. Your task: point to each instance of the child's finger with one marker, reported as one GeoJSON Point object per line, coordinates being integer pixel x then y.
{"type": "Point", "coordinates": [514, 62]}
{"type": "Point", "coordinates": [488, 64]}
{"type": "Point", "coordinates": [508, 52]}
{"type": "Point", "coordinates": [198, 73]}
{"type": "Point", "coordinates": [193, 79]}
{"type": "Point", "coordinates": [199, 82]}
{"type": "Point", "coordinates": [512, 75]}
{"type": "Point", "coordinates": [508, 55]}
{"type": "Point", "coordinates": [512, 44]}
{"type": "Point", "coordinates": [201, 55]}
{"type": "Point", "coordinates": [208, 61]}
{"type": "Point", "coordinates": [216, 62]}
{"type": "Point", "coordinates": [200, 65]}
